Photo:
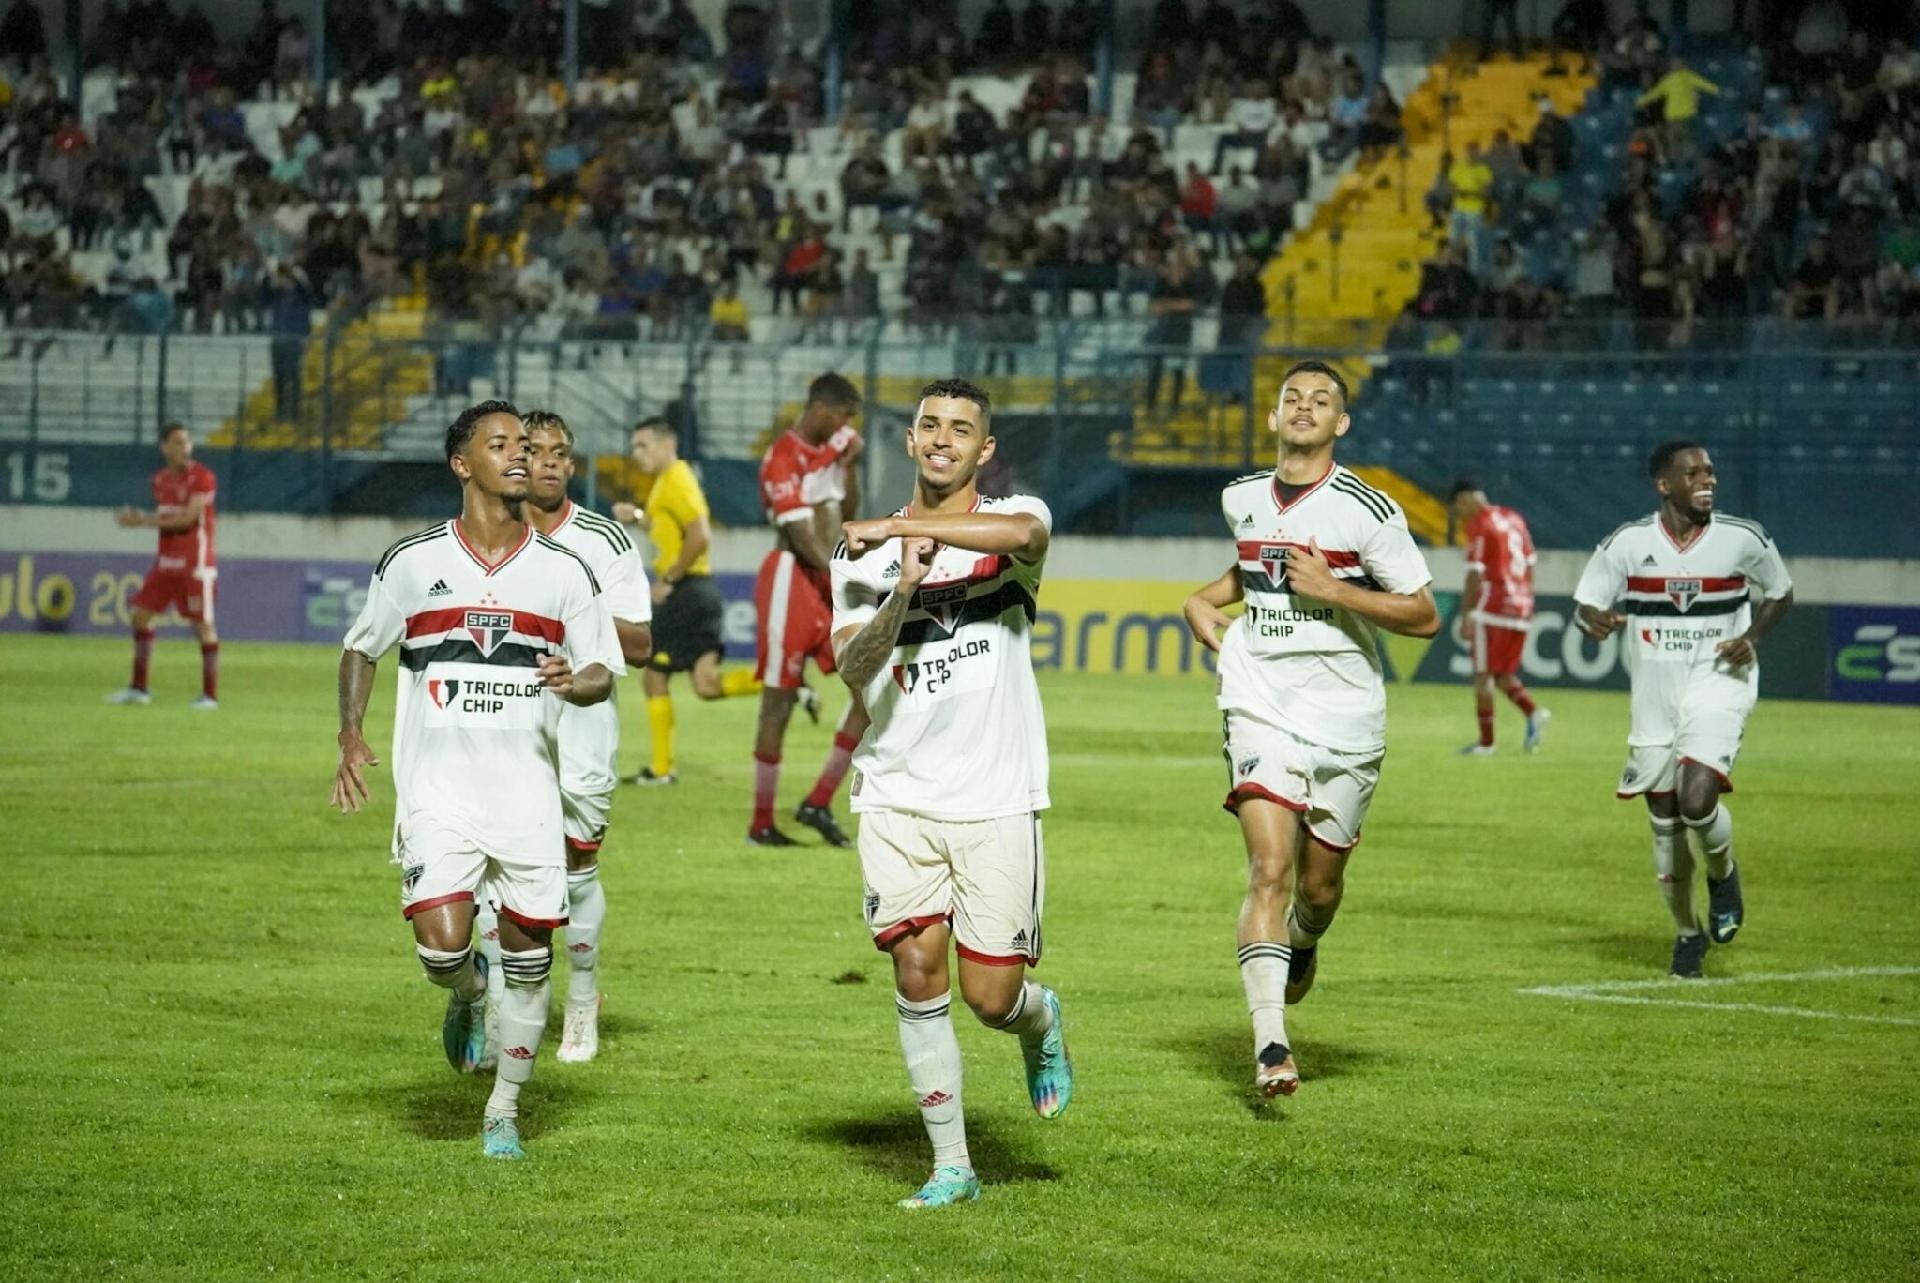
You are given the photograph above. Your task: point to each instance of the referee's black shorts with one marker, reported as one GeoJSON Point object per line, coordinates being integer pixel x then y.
{"type": "Point", "coordinates": [688, 625]}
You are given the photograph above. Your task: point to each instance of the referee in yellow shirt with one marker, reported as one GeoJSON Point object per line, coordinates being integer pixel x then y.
{"type": "Point", "coordinates": [688, 611]}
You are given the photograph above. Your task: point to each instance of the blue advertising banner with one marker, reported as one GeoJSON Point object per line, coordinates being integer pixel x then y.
{"type": "Point", "coordinates": [1875, 654]}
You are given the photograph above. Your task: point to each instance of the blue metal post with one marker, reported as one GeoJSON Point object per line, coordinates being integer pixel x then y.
{"type": "Point", "coordinates": [570, 47]}
{"type": "Point", "coordinates": [836, 57]}
{"type": "Point", "coordinates": [317, 45]}
{"type": "Point", "coordinates": [1104, 39]}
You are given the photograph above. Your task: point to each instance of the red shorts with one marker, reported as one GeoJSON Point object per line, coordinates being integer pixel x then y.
{"type": "Point", "coordinates": [190, 592]}
{"type": "Point", "coordinates": [796, 621]}
{"type": "Point", "coordinates": [1496, 649]}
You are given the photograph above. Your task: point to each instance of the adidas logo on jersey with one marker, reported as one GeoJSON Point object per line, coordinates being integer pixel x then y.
{"type": "Point", "coordinates": [1648, 561]}
{"type": "Point", "coordinates": [1246, 522]}
{"type": "Point", "coordinates": [1019, 940]}
{"type": "Point", "coordinates": [891, 572]}
{"type": "Point", "coordinates": [439, 589]}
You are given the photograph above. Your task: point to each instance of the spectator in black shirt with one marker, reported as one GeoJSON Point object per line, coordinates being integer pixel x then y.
{"type": "Point", "coordinates": [995, 43]}
{"type": "Point", "coordinates": [1036, 31]}
{"type": "Point", "coordinates": [1174, 298]}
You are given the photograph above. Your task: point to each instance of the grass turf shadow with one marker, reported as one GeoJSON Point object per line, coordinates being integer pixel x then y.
{"type": "Point", "coordinates": [1225, 1052]}
{"type": "Point", "coordinates": [448, 1106]}
{"type": "Point", "coordinates": [896, 1146]}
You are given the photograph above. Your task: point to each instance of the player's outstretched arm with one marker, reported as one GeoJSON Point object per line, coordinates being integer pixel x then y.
{"type": "Point", "coordinates": [1745, 648]}
{"type": "Point", "coordinates": [636, 641]}
{"type": "Point", "coordinates": [1020, 535]}
{"type": "Point", "coordinates": [1207, 618]}
{"type": "Point", "coordinates": [807, 544]}
{"type": "Point", "coordinates": [860, 653]}
{"type": "Point", "coordinates": [356, 687]}
{"type": "Point", "coordinates": [1411, 614]}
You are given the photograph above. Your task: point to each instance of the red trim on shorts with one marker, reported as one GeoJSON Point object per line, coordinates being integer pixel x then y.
{"type": "Point", "coordinates": [1726, 784]}
{"type": "Point", "coordinates": [992, 959]}
{"type": "Point", "coordinates": [1259, 793]}
{"type": "Point", "coordinates": [1333, 846]}
{"type": "Point", "coordinates": [906, 926]}
{"type": "Point", "coordinates": [526, 921]}
{"type": "Point", "coordinates": [421, 906]}
{"type": "Point", "coordinates": [586, 846]}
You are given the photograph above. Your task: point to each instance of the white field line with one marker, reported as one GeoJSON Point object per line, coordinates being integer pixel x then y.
{"type": "Point", "coordinates": [1628, 993]}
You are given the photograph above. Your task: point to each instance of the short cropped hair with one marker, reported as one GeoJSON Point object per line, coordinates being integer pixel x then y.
{"type": "Point", "coordinates": [168, 429]}
{"type": "Point", "coordinates": [537, 419]}
{"type": "Point", "coordinates": [460, 431]}
{"type": "Point", "coordinates": [659, 426]}
{"type": "Point", "coordinates": [833, 389]}
{"type": "Point", "coordinates": [964, 389]}
{"type": "Point", "coordinates": [1663, 454]}
{"type": "Point", "coordinates": [1465, 485]}
{"type": "Point", "coordinates": [1318, 367]}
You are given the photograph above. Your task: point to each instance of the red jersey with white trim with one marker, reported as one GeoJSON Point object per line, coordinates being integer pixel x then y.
{"type": "Point", "coordinates": [1681, 602]}
{"type": "Point", "coordinates": [795, 475]}
{"type": "Point", "coordinates": [190, 549]}
{"type": "Point", "coordinates": [1308, 667]}
{"type": "Point", "coordinates": [475, 735]}
{"type": "Point", "coordinates": [958, 731]}
{"type": "Point", "coordinates": [1500, 547]}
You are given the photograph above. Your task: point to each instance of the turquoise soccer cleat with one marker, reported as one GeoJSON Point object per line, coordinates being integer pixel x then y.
{"type": "Point", "coordinates": [463, 1033]}
{"type": "Point", "coordinates": [500, 1138]}
{"type": "Point", "coordinates": [1049, 1067]}
{"type": "Point", "coordinates": [947, 1186]}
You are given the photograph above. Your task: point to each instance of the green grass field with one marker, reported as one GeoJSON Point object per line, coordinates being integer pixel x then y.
{"type": "Point", "coordinates": [223, 1062]}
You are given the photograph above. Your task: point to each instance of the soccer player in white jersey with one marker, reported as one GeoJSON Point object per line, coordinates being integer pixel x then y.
{"type": "Point", "coordinates": [933, 612]}
{"type": "Point", "coordinates": [497, 626]}
{"type": "Point", "coordinates": [1683, 578]}
{"type": "Point", "coordinates": [589, 737]}
{"type": "Point", "coordinates": [1323, 561]}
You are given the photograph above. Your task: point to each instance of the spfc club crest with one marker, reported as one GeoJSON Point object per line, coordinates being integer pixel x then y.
{"type": "Point", "coordinates": [1273, 560]}
{"type": "Point", "coordinates": [489, 628]}
{"type": "Point", "coordinates": [1682, 592]}
{"type": "Point", "coordinates": [442, 691]}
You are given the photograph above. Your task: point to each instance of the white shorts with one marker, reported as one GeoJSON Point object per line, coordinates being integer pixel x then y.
{"type": "Point", "coordinates": [438, 866]}
{"type": "Point", "coordinates": [589, 743]}
{"type": "Point", "coordinates": [1707, 733]}
{"type": "Point", "coordinates": [987, 877]}
{"type": "Point", "coordinates": [1329, 790]}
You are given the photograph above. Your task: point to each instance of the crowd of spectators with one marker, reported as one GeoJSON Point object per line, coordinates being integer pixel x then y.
{"type": "Point", "coordinates": [658, 198]}
{"type": "Point", "coordinates": [1792, 193]}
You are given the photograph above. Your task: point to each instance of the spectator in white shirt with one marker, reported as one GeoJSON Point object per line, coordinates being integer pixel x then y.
{"type": "Point", "coordinates": [1252, 117]}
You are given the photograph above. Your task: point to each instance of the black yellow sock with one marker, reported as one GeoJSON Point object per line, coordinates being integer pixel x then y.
{"type": "Point", "coordinates": [660, 722]}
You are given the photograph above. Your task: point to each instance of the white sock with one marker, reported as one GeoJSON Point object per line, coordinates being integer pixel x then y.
{"type": "Point", "coordinates": [1300, 936]}
{"type": "Point", "coordinates": [453, 971]}
{"type": "Point", "coordinates": [1715, 834]}
{"type": "Point", "coordinates": [933, 1067]}
{"type": "Point", "coordinates": [1030, 1017]}
{"type": "Point", "coordinates": [486, 933]}
{"type": "Point", "coordinates": [587, 910]}
{"type": "Point", "coordinates": [1263, 972]}
{"type": "Point", "coordinates": [1673, 865]}
{"type": "Point", "coordinates": [523, 1018]}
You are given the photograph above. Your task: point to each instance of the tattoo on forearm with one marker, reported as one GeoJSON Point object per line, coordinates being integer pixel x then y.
{"type": "Point", "coordinates": [867, 653]}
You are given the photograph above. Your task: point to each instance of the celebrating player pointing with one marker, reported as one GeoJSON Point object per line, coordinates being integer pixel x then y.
{"type": "Point", "coordinates": [1685, 575]}
{"type": "Point", "coordinates": [1324, 560]}
{"type": "Point", "coordinates": [933, 613]}
{"type": "Point", "coordinates": [493, 621]}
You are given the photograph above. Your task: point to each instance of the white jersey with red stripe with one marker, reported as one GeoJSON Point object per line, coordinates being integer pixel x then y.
{"type": "Point", "coordinates": [590, 737]}
{"type": "Point", "coordinates": [1303, 665]}
{"type": "Point", "coordinates": [474, 732]}
{"type": "Point", "coordinates": [1681, 602]}
{"type": "Point", "coordinates": [795, 474]}
{"type": "Point", "coordinates": [958, 732]}
{"type": "Point", "coordinates": [1500, 547]}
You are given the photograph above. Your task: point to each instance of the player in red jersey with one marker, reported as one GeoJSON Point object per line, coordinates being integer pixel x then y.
{"type": "Point", "coordinates": [1495, 609]}
{"type": "Point", "coordinates": [183, 573]}
{"type": "Point", "coordinates": [809, 488]}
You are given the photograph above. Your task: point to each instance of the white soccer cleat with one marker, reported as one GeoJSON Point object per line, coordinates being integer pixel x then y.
{"type": "Point", "coordinates": [1477, 750]}
{"type": "Point", "coordinates": [205, 704]}
{"type": "Point", "coordinates": [580, 1036]}
{"type": "Point", "coordinates": [131, 695]}
{"type": "Point", "coordinates": [1537, 728]}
